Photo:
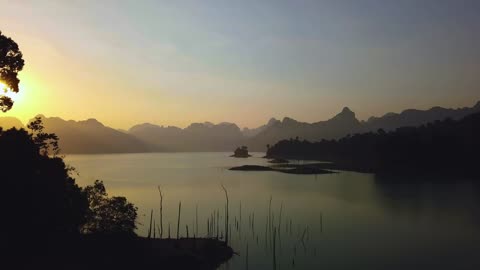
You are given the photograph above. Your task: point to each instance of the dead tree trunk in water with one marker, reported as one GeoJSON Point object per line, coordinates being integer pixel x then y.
{"type": "Point", "coordinates": [196, 219]}
{"type": "Point", "coordinates": [154, 234]}
{"type": "Point", "coordinates": [150, 228]}
{"type": "Point", "coordinates": [178, 222]}
{"type": "Point", "coordinates": [161, 211]}
{"type": "Point", "coordinates": [226, 215]}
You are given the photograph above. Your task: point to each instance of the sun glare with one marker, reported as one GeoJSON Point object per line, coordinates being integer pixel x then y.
{"type": "Point", "coordinates": [4, 91]}
{"type": "Point", "coordinates": [3, 87]}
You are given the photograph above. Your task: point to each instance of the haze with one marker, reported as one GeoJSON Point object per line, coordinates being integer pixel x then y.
{"type": "Point", "coordinates": [177, 62]}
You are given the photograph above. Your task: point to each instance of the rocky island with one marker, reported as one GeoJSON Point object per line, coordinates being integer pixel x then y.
{"type": "Point", "coordinates": [241, 152]}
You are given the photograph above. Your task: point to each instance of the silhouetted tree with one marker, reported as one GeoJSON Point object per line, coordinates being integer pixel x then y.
{"type": "Point", "coordinates": [38, 196]}
{"type": "Point", "coordinates": [108, 215]}
{"type": "Point", "coordinates": [46, 142]}
{"type": "Point", "coordinates": [11, 62]}
{"type": "Point", "coordinates": [442, 147]}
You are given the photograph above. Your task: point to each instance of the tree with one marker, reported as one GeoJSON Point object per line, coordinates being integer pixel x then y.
{"type": "Point", "coordinates": [39, 196]}
{"type": "Point", "coordinates": [46, 142]}
{"type": "Point", "coordinates": [108, 215]}
{"type": "Point", "coordinates": [11, 62]}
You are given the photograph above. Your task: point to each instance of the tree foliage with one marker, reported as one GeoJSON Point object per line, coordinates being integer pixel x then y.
{"type": "Point", "coordinates": [108, 215]}
{"type": "Point", "coordinates": [38, 193]}
{"type": "Point", "coordinates": [11, 62]}
{"type": "Point", "coordinates": [46, 142]}
{"type": "Point", "coordinates": [446, 146]}
{"type": "Point", "coordinates": [39, 197]}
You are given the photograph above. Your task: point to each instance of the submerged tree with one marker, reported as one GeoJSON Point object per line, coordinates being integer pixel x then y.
{"type": "Point", "coordinates": [11, 62]}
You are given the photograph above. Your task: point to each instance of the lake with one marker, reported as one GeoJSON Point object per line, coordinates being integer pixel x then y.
{"type": "Point", "coordinates": [346, 220]}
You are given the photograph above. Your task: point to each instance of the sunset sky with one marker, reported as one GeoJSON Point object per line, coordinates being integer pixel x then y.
{"type": "Point", "coordinates": [177, 62]}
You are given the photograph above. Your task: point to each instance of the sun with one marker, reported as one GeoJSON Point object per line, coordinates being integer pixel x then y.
{"type": "Point", "coordinates": [5, 91]}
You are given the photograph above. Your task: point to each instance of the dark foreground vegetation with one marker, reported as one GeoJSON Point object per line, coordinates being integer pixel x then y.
{"type": "Point", "coordinates": [120, 252]}
{"type": "Point", "coordinates": [49, 221]}
{"type": "Point", "coordinates": [442, 147]}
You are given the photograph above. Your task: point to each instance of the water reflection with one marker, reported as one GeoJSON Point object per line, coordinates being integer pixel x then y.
{"type": "Point", "coordinates": [446, 199]}
{"type": "Point", "coordinates": [336, 221]}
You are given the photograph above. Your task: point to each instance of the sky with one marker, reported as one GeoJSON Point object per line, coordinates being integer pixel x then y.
{"type": "Point", "coordinates": [178, 62]}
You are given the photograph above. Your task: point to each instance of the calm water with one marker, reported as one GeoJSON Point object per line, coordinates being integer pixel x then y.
{"type": "Point", "coordinates": [339, 221]}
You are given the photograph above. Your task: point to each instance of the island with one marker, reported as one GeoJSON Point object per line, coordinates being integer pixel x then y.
{"type": "Point", "coordinates": [440, 148]}
{"type": "Point", "coordinates": [284, 168]}
{"type": "Point", "coordinates": [241, 152]}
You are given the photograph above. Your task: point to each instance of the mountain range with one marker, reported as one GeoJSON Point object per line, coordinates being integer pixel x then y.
{"type": "Point", "coordinates": [92, 137]}
{"type": "Point", "coordinates": [196, 137]}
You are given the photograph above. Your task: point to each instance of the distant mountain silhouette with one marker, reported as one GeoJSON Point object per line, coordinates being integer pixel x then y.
{"type": "Point", "coordinates": [441, 147]}
{"type": "Point", "coordinates": [9, 122]}
{"type": "Point", "coordinates": [196, 137]}
{"type": "Point", "coordinates": [343, 123]}
{"type": "Point", "coordinates": [247, 132]}
{"type": "Point", "coordinates": [411, 118]}
{"type": "Point", "coordinates": [346, 123]}
{"type": "Point", "coordinates": [92, 137]}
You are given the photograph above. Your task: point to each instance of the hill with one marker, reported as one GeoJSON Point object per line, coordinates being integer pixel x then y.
{"type": "Point", "coordinates": [10, 122]}
{"type": "Point", "coordinates": [442, 147]}
{"type": "Point", "coordinates": [92, 137]}
{"type": "Point", "coordinates": [343, 123]}
{"type": "Point", "coordinates": [346, 123]}
{"type": "Point", "coordinates": [412, 117]}
{"type": "Point", "coordinates": [196, 137]}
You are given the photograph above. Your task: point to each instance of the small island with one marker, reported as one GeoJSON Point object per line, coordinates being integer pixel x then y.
{"type": "Point", "coordinates": [291, 169]}
{"type": "Point", "coordinates": [251, 168]}
{"type": "Point", "coordinates": [241, 152]}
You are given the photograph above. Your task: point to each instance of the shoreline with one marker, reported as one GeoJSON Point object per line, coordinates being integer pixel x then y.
{"type": "Point", "coordinates": [284, 168]}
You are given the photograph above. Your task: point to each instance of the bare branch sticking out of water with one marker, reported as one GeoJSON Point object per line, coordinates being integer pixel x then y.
{"type": "Point", "coordinates": [226, 215]}
{"type": "Point", "coordinates": [161, 211]}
